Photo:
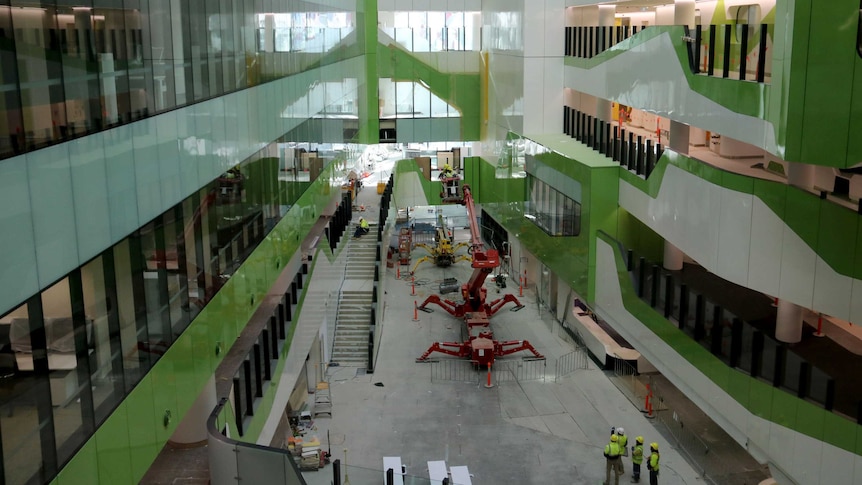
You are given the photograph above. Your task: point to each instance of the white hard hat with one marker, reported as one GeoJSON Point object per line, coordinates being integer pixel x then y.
{"type": "Point", "coordinates": [621, 431]}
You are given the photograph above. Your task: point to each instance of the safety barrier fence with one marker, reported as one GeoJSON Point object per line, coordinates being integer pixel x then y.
{"type": "Point", "coordinates": [589, 41]}
{"type": "Point", "coordinates": [632, 151]}
{"type": "Point", "coordinates": [509, 370]}
{"type": "Point", "coordinates": [568, 363]}
{"type": "Point", "coordinates": [233, 462]}
{"type": "Point", "coordinates": [730, 49]}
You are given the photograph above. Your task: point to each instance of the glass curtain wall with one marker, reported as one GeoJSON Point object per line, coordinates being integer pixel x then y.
{"type": "Point", "coordinates": [75, 67]}
{"type": "Point", "coordinates": [69, 355]}
{"type": "Point", "coordinates": [551, 210]}
{"type": "Point", "coordinates": [433, 31]}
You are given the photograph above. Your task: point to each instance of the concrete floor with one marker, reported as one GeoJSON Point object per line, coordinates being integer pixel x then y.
{"type": "Point", "coordinates": [534, 431]}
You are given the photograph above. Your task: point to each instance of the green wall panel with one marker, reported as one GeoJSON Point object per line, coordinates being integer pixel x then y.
{"type": "Point", "coordinates": [854, 146]}
{"type": "Point", "coordinates": [785, 408]}
{"type": "Point", "coordinates": [839, 432]}
{"type": "Point", "coordinates": [143, 443]}
{"type": "Point", "coordinates": [802, 214]}
{"type": "Point", "coordinates": [828, 79]}
{"type": "Point", "coordinates": [739, 183]}
{"type": "Point", "coordinates": [838, 226]}
{"type": "Point", "coordinates": [165, 385]}
{"type": "Point", "coordinates": [809, 419]}
{"type": "Point", "coordinates": [760, 398]}
{"type": "Point", "coordinates": [185, 377]}
{"type": "Point", "coordinates": [83, 468]}
{"type": "Point", "coordinates": [115, 459]}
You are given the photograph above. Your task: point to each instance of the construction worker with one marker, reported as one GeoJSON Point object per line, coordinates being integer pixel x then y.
{"type": "Point", "coordinates": [623, 440]}
{"type": "Point", "coordinates": [362, 229]}
{"type": "Point", "coordinates": [446, 172]}
{"type": "Point", "coordinates": [652, 464]}
{"type": "Point", "coordinates": [637, 459]}
{"type": "Point", "coordinates": [613, 461]}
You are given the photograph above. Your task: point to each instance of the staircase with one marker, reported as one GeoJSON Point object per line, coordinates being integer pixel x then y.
{"type": "Point", "coordinates": [353, 320]}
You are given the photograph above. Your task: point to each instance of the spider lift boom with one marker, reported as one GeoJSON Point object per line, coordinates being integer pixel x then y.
{"type": "Point", "coordinates": [480, 346]}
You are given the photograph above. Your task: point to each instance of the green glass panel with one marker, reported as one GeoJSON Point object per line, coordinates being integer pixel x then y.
{"type": "Point", "coordinates": [809, 419]}
{"type": "Point", "coordinates": [738, 386]}
{"type": "Point", "coordinates": [785, 408]}
{"type": "Point", "coordinates": [112, 440]}
{"type": "Point", "coordinates": [802, 214]}
{"type": "Point", "coordinates": [761, 399]}
{"type": "Point", "coordinates": [839, 432]}
{"type": "Point", "coordinates": [83, 467]}
{"type": "Point", "coordinates": [143, 443]}
{"type": "Point", "coordinates": [837, 241]}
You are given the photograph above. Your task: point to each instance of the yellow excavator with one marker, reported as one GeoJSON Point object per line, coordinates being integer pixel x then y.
{"type": "Point", "coordinates": [443, 253]}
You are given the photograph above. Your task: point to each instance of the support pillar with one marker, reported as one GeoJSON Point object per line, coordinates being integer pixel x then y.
{"type": "Point", "coordinates": [604, 107]}
{"type": "Point", "coordinates": [673, 257]}
{"type": "Point", "coordinates": [788, 322]}
{"type": "Point", "coordinates": [684, 12]}
{"type": "Point", "coordinates": [679, 137]}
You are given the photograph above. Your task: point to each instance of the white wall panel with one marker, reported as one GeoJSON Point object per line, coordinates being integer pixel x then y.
{"type": "Point", "coordinates": [55, 238]}
{"type": "Point", "coordinates": [19, 277]}
{"type": "Point", "coordinates": [533, 28]}
{"type": "Point", "coordinates": [668, 93]}
{"type": "Point", "coordinates": [554, 97]}
{"type": "Point", "coordinates": [734, 236]}
{"type": "Point", "coordinates": [147, 181]}
{"type": "Point", "coordinates": [739, 238]}
{"type": "Point", "coordinates": [555, 28]}
{"type": "Point", "coordinates": [833, 466]}
{"type": "Point", "coordinates": [534, 80]}
{"type": "Point", "coordinates": [764, 262]}
{"type": "Point", "coordinates": [857, 469]}
{"type": "Point", "coordinates": [89, 190]}
{"type": "Point", "coordinates": [832, 291]}
{"type": "Point", "coordinates": [805, 464]}
{"type": "Point", "coordinates": [798, 263]}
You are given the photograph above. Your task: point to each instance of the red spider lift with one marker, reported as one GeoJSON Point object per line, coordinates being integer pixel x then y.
{"type": "Point", "coordinates": [480, 345]}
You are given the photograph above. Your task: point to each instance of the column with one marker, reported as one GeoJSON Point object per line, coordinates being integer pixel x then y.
{"type": "Point", "coordinates": [788, 322]}
{"type": "Point", "coordinates": [606, 19]}
{"type": "Point", "coordinates": [673, 257]}
{"type": "Point", "coordinates": [800, 175]}
{"type": "Point", "coordinates": [269, 32]}
{"type": "Point", "coordinates": [683, 12]}
{"type": "Point", "coordinates": [679, 137]}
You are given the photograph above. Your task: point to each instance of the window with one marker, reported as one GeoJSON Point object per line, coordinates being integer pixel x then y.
{"type": "Point", "coordinates": [551, 210]}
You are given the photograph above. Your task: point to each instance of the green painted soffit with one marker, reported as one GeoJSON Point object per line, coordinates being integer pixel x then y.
{"type": "Point", "coordinates": [747, 98]}
{"type": "Point", "coordinates": [460, 90]}
{"type": "Point", "coordinates": [831, 230]}
{"type": "Point", "coordinates": [758, 397]}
